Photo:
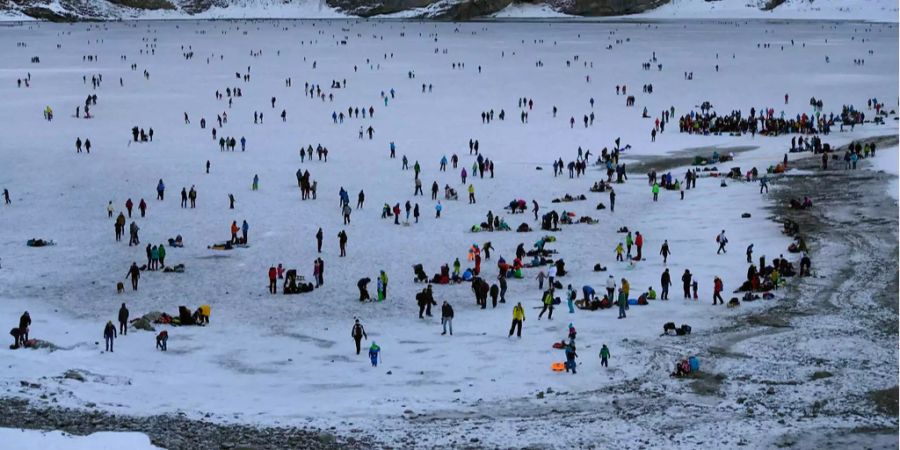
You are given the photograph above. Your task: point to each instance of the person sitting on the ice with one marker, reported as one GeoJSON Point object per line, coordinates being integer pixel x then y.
{"type": "Point", "coordinates": [501, 225]}
{"type": "Point", "coordinates": [522, 205]}
{"type": "Point", "coordinates": [560, 268]}
{"type": "Point", "coordinates": [177, 242]}
{"type": "Point", "coordinates": [450, 193]}
{"type": "Point", "coordinates": [445, 274]}
{"type": "Point", "coordinates": [513, 206]}
{"type": "Point", "coordinates": [651, 294]}
{"type": "Point", "coordinates": [682, 368]}
{"type": "Point", "coordinates": [468, 275]}
{"type": "Point", "coordinates": [421, 276]}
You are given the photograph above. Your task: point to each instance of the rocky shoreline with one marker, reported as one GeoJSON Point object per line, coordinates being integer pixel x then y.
{"type": "Point", "coordinates": [171, 431]}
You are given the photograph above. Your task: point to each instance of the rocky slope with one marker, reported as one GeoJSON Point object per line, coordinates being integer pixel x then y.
{"type": "Point", "coordinates": [65, 10]}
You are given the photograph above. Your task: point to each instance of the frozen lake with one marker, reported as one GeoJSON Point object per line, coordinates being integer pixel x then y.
{"type": "Point", "coordinates": [289, 360]}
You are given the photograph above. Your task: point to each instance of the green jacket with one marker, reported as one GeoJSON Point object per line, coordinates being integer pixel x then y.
{"type": "Point", "coordinates": [162, 251]}
{"type": "Point", "coordinates": [604, 352]}
{"type": "Point", "coordinates": [629, 240]}
{"type": "Point", "coordinates": [623, 298]}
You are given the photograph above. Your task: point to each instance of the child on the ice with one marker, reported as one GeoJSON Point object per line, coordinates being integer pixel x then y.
{"type": "Point", "coordinates": [570, 357]}
{"type": "Point", "coordinates": [374, 351]}
{"type": "Point", "coordinates": [540, 277]}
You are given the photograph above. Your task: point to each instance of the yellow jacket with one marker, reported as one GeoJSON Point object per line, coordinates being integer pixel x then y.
{"type": "Point", "coordinates": [518, 313]}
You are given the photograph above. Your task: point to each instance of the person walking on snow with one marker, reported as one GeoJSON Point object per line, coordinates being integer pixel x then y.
{"type": "Point", "coordinates": [604, 356]}
{"type": "Point", "coordinates": [358, 333]}
{"type": "Point", "coordinates": [109, 334]}
{"type": "Point", "coordinates": [717, 291]}
{"type": "Point", "coordinates": [664, 251]}
{"type": "Point", "coordinates": [548, 304]}
{"type": "Point", "coordinates": [135, 274]}
{"type": "Point", "coordinates": [374, 352]}
{"type": "Point", "coordinates": [721, 240]}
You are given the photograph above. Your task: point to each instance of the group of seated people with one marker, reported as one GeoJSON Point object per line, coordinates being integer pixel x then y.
{"type": "Point", "coordinates": [797, 204]}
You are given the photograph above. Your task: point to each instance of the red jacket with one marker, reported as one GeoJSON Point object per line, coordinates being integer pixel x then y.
{"type": "Point", "coordinates": [718, 285]}
{"type": "Point", "coordinates": [272, 273]}
{"type": "Point", "coordinates": [639, 241]}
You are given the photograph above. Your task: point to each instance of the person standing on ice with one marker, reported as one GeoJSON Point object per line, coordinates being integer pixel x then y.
{"type": "Point", "coordinates": [629, 242]}
{"type": "Point", "coordinates": [721, 240]}
{"type": "Point", "coordinates": [471, 193]}
{"type": "Point", "coordinates": [184, 197]}
{"type": "Point", "coordinates": [639, 243]}
{"type": "Point", "coordinates": [570, 299]}
{"type": "Point", "coordinates": [142, 206]}
{"type": "Point", "coordinates": [665, 280]}
{"type": "Point", "coordinates": [255, 185]}
{"type": "Point", "coordinates": [535, 208]}
{"type": "Point", "coordinates": [622, 303]}
{"type": "Point", "coordinates": [358, 333]}
{"type": "Point", "coordinates": [518, 318]}
{"type": "Point", "coordinates": [123, 320]}
{"type": "Point", "coordinates": [384, 284]}
{"type": "Point", "coordinates": [540, 277]}
{"type": "Point", "coordinates": [160, 190]}
{"type": "Point", "coordinates": [347, 210]}
{"type": "Point", "coordinates": [749, 253]}
{"type": "Point", "coordinates": [319, 236]}
{"type": "Point", "coordinates": [612, 200]}
{"type": "Point", "coordinates": [610, 287]}
{"type": "Point", "coordinates": [244, 229]}
{"type": "Point", "coordinates": [120, 227]}
{"type": "Point", "coordinates": [128, 205]}
{"type": "Point", "coordinates": [273, 276]}
{"type": "Point", "coordinates": [109, 209]}
{"type": "Point", "coordinates": [360, 199]}
{"type": "Point", "coordinates": [664, 251]}
{"type": "Point", "coordinates": [374, 352]}
{"type": "Point", "coordinates": [6, 196]}
{"type": "Point", "coordinates": [133, 240]}
{"type": "Point", "coordinates": [717, 291]}
{"type": "Point", "coordinates": [604, 356]}
{"type": "Point", "coordinates": [109, 334]}
{"type": "Point", "coordinates": [686, 283]}
{"type": "Point", "coordinates": [342, 242]}
{"type": "Point", "coordinates": [570, 357]}
{"type": "Point", "coordinates": [447, 318]}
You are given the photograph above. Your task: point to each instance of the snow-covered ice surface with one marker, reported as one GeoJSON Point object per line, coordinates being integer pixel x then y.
{"type": "Point", "coordinates": [289, 360]}
{"type": "Point", "coordinates": [14, 439]}
{"type": "Point", "coordinates": [871, 10]}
